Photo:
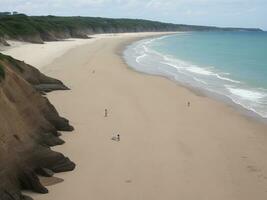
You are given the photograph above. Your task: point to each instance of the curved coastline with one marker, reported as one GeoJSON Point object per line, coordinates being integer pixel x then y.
{"type": "Point", "coordinates": [164, 144]}
{"type": "Point", "coordinates": [133, 64]}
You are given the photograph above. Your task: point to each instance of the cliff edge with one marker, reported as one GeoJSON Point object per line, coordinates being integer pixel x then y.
{"type": "Point", "coordinates": [37, 29]}
{"type": "Point", "coordinates": [29, 126]}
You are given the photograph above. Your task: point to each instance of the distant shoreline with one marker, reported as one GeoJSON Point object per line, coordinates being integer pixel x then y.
{"type": "Point", "coordinates": [39, 29]}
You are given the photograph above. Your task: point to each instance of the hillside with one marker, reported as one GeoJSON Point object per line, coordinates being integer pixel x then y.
{"type": "Point", "coordinates": [29, 126]}
{"type": "Point", "coordinates": [38, 29]}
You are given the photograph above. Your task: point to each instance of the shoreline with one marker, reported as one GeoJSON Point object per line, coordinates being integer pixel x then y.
{"type": "Point", "coordinates": [247, 113]}
{"type": "Point", "coordinates": [167, 150]}
{"type": "Point", "coordinates": [50, 51]}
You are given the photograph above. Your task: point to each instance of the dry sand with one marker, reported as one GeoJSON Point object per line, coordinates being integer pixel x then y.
{"type": "Point", "coordinates": [40, 55]}
{"type": "Point", "coordinates": [167, 150]}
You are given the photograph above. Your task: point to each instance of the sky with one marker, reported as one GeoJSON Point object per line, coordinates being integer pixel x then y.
{"type": "Point", "coordinates": [225, 13]}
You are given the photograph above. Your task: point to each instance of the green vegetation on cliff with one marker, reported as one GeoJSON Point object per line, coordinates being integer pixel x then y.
{"type": "Point", "coordinates": [46, 28]}
{"type": "Point", "coordinates": [51, 28]}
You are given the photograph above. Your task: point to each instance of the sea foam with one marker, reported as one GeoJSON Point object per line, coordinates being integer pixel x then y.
{"type": "Point", "coordinates": [144, 58]}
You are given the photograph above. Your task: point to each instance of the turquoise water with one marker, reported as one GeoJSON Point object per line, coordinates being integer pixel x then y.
{"type": "Point", "coordinates": [232, 64]}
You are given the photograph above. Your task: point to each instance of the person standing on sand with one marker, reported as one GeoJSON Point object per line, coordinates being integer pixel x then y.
{"type": "Point", "coordinates": [118, 137]}
{"type": "Point", "coordinates": [106, 112]}
{"type": "Point", "coordinates": [188, 103]}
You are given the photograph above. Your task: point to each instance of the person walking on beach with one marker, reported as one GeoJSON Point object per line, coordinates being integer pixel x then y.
{"type": "Point", "coordinates": [116, 138]}
{"type": "Point", "coordinates": [188, 104]}
{"type": "Point", "coordinates": [106, 112]}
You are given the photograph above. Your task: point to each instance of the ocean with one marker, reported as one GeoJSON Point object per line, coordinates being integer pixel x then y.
{"type": "Point", "coordinates": [228, 64]}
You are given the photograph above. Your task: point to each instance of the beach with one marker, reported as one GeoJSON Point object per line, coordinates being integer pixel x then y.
{"type": "Point", "coordinates": [167, 149]}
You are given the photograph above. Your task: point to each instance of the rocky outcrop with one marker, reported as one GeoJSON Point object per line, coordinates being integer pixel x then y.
{"type": "Point", "coordinates": [33, 76]}
{"type": "Point", "coordinates": [29, 126]}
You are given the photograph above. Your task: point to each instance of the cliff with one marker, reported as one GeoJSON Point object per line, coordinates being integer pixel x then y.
{"type": "Point", "coordinates": [37, 29]}
{"type": "Point", "coordinates": [29, 126]}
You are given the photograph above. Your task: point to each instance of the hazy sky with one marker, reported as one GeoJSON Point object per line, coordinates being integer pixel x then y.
{"type": "Point", "coordinates": [237, 13]}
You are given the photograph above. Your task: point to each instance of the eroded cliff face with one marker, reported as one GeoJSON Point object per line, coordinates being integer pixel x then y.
{"type": "Point", "coordinates": [33, 76]}
{"type": "Point", "coordinates": [29, 126]}
{"type": "Point", "coordinates": [40, 38]}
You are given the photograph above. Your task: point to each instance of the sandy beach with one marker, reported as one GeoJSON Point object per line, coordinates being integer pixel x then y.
{"type": "Point", "coordinates": [207, 151]}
